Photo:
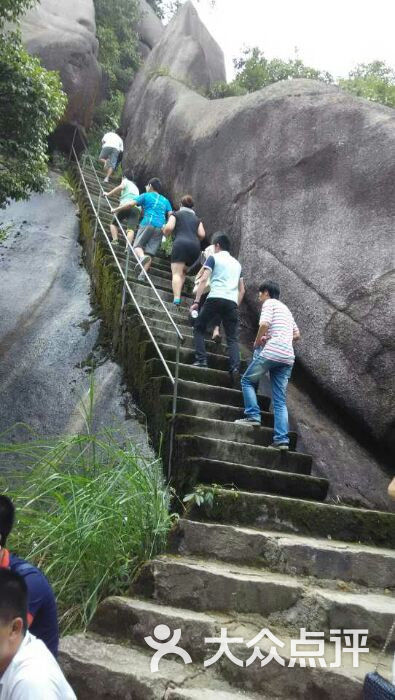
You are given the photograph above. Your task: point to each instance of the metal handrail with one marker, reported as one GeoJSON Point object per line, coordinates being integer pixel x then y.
{"type": "Point", "coordinates": [127, 288]}
{"type": "Point", "coordinates": [104, 194]}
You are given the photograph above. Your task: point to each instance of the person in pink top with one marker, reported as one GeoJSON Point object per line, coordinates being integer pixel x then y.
{"type": "Point", "coordinates": [274, 354]}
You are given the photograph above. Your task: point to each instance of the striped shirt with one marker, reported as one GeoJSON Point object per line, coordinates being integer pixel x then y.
{"type": "Point", "coordinates": [278, 346]}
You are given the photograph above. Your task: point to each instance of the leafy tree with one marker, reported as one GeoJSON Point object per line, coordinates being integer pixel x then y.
{"type": "Point", "coordinates": [254, 71]}
{"type": "Point", "coordinates": [11, 9]}
{"type": "Point", "coordinates": [165, 9]}
{"type": "Point", "coordinates": [116, 23]}
{"type": "Point", "coordinates": [31, 104]}
{"type": "Point", "coordinates": [374, 81]}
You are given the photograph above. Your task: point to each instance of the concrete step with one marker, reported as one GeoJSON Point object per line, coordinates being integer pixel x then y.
{"type": "Point", "coordinates": [215, 411]}
{"type": "Point", "coordinates": [159, 317]}
{"type": "Point", "coordinates": [208, 376]}
{"type": "Point", "coordinates": [287, 553]}
{"type": "Point", "coordinates": [108, 671]}
{"type": "Point", "coordinates": [194, 583]}
{"type": "Point", "coordinates": [239, 476]}
{"type": "Point", "coordinates": [298, 516]}
{"type": "Point", "coordinates": [215, 361]}
{"type": "Point", "coordinates": [167, 335]}
{"type": "Point", "coordinates": [241, 453]}
{"type": "Point", "coordinates": [226, 430]}
{"type": "Point", "coordinates": [144, 292]}
{"type": "Point", "coordinates": [130, 620]}
{"type": "Point", "coordinates": [162, 285]}
{"type": "Point", "coordinates": [197, 391]}
{"type": "Point", "coordinates": [159, 282]}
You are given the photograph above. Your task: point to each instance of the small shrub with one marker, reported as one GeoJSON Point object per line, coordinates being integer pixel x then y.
{"type": "Point", "coordinates": [90, 510]}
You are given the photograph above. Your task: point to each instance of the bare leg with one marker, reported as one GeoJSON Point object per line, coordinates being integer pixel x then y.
{"type": "Point", "coordinates": [130, 235]}
{"type": "Point", "coordinates": [216, 334]}
{"type": "Point", "coordinates": [178, 279]}
{"type": "Point", "coordinates": [114, 232]}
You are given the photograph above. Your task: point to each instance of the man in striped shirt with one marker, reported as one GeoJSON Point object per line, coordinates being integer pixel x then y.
{"type": "Point", "coordinates": [273, 353]}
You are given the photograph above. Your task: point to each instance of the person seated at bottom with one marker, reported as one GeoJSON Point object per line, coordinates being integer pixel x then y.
{"type": "Point", "coordinates": [150, 232]}
{"type": "Point", "coordinates": [273, 354]}
{"type": "Point", "coordinates": [125, 212]}
{"type": "Point", "coordinates": [42, 613]}
{"type": "Point", "coordinates": [188, 231]}
{"type": "Point", "coordinates": [28, 671]}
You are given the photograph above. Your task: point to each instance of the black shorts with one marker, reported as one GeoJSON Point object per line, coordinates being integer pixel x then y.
{"type": "Point", "coordinates": [185, 251]}
{"type": "Point", "coordinates": [130, 217]}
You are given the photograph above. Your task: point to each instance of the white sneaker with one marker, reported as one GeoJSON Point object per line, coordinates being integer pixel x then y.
{"type": "Point", "coordinates": [247, 421]}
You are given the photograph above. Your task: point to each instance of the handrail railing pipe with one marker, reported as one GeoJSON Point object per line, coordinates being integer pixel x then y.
{"type": "Point", "coordinates": [127, 290]}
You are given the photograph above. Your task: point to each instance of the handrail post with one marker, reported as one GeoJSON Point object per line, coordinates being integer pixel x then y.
{"type": "Point", "coordinates": [174, 409]}
{"type": "Point", "coordinates": [97, 216]}
{"type": "Point", "coordinates": [126, 277]}
{"type": "Point", "coordinates": [72, 144]}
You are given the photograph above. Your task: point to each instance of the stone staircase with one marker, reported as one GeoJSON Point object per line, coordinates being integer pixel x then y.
{"type": "Point", "coordinates": [263, 550]}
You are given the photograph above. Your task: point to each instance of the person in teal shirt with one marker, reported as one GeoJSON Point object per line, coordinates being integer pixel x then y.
{"type": "Point", "coordinates": [125, 214]}
{"type": "Point", "coordinates": [149, 235]}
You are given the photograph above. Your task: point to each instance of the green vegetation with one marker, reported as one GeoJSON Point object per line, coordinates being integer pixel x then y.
{"type": "Point", "coordinates": [374, 81]}
{"type": "Point", "coordinates": [116, 24]}
{"type": "Point", "coordinates": [254, 71]}
{"type": "Point", "coordinates": [90, 510]}
{"type": "Point", "coordinates": [31, 104]}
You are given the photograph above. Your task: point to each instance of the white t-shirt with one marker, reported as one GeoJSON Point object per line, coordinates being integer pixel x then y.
{"type": "Point", "coordinates": [34, 674]}
{"type": "Point", "coordinates": [225, 276]}
{"type": "Point", "coordinates": [112, 140]}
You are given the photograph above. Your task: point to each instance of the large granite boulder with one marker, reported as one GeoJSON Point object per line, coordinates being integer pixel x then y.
{"type": "Point", "coordinates": [149, 27]}
{"type": "Point", "coordinates": [63, 36]}
{"type": "Point", "coordinates": [302, 176]}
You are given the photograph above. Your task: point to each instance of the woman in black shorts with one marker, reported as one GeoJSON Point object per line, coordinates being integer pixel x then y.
{"type": "Point", "coordinates": [188, 232]}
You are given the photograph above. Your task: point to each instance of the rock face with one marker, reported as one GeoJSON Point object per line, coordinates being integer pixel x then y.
{"type": "Point", "coordinates": [302, 176]}
{"type": "Point", "coordinates": [150, 28]}
{"type": "Point", "coordinates": [63, 35]}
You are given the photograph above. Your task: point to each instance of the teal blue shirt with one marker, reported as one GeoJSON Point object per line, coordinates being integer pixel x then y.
{"type": "Point", "coordinates": [155, 209]}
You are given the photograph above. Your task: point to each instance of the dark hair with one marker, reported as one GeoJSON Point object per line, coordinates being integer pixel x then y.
{"type": "Point", "coordinates": [128, 174]}
{"type": "Point", "coordinates": [271, 287]}
{"type": "Point", "coordinates": [155, 184]}
{"type": "Point", "coordinates": [13, 597]}
{"type": "Point", "coordinates": [7, 515]}
{"type": "Point", "coordinates": [187, 201]}
{"type": "Point", "coordinates": [119, 132]}
{"type": "Point", "coordinates": [221, 239]}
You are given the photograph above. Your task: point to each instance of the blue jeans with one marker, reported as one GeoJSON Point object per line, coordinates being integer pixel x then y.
{"type": "Point", "coordinates": [279, 375]}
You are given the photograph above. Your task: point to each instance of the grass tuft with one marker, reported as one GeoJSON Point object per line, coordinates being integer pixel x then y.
{"type": "Point", "coordinates": [90, 510]}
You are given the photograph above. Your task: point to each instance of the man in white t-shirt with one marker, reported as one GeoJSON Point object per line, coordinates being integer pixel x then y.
{"type": "Point", "coordinates": [225, 276]}
{"type": "Point", "coordinates": [273, 354]}
{"type": "Point", "coordinates": [112, 148]}
{"type": "Point", "coordinates": [28, 670]}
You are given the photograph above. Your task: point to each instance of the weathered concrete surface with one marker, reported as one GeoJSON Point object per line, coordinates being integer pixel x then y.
{"type": "Point", "coordinates": [288, 553]}
{"type": "Point", "coordinates": [110, 672]}
{"type": "Point", "coordinates": [48, 329]}
{"type": "Point", "coordinates": [301, 175]}
{"type": "Point", "coordinates": [63, 36]}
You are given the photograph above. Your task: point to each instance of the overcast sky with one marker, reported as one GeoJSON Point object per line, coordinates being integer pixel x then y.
{"type": "Point", "coordinates": [333, 35]}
